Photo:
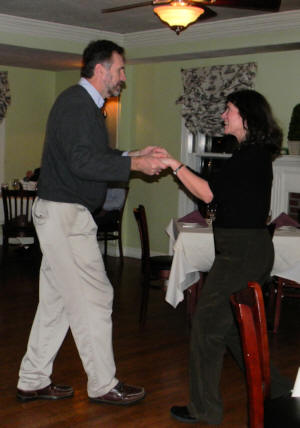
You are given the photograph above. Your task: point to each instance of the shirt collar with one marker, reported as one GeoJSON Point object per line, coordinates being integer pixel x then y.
{"type": "Point", "coordinates": [99, 101]}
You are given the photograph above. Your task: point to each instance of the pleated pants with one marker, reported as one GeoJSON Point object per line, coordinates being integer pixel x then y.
{"type": "Point", "coordinates": [75, 293]}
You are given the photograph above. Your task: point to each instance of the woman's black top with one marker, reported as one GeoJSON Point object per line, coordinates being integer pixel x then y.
{"type": "Point", "coordinates": [242, 189]}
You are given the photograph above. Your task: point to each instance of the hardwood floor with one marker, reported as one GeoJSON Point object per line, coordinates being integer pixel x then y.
{"type": "Point", "coordinates": [155, 356]}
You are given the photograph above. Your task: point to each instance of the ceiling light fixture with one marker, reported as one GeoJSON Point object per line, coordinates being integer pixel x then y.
{"type": "Point", "coordinates": [179, 14]}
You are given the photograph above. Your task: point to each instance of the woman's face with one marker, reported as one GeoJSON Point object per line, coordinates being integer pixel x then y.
{"type": "Point", "coordinates": [233, 123]}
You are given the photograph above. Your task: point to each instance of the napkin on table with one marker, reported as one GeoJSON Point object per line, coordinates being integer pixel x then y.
{"type": "Point", "coordinates": [193, 217]}
{"type": "Point", "coordinates": [285, 220]}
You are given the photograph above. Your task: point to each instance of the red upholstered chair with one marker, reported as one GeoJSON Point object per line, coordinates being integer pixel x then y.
{"type": "Point", "coordinates": [281, 412]}
{"type": "Point", "coordinates": [155, 268]}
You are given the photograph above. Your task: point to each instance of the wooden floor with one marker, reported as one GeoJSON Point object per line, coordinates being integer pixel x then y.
{"type": "Point", "coordinates": [155, 357]}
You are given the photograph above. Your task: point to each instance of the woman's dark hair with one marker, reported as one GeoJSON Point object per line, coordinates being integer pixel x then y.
{"type": "Point", "coordinates": [258, 119]}
{"type": "Point", "coordinates": [98, 52]}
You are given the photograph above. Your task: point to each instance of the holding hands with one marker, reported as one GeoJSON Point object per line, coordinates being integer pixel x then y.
{"type": "Point", "coordinates": [155, 151]}
{"type": "Point", "coordinates": [171, 162]}
{"type": "Point", "coordinates": [149, 160]}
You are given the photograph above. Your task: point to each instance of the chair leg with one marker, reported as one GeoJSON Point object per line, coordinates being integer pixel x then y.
{"type": "Point", "coordinates": [120, 248]}
{"type": "Point", "coordinates": [278, 299]}
{"type": "Point", "coordinates": [4, 249]}
{"type": "Point", "coordinates": [270, 306]}
{"type": "Point", "coordinates": [144, 301]}
{"type": "Point", "coordinates": [105, 244]}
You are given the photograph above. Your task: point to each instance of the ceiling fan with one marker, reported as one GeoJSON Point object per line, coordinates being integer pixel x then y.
{"type": "Point", "coordinates": [178, 14]}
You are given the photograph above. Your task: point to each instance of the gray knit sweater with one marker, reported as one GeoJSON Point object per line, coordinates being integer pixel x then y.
{"type": "Point", "coordinates": [77, 162]}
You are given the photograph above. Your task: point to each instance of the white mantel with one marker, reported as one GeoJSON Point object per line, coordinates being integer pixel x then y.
{"type": "Point", "coordinates": [286, 171]}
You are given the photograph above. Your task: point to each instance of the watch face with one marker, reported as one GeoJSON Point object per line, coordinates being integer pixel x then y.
{"type": "Point", "coordinates": [177, 169]}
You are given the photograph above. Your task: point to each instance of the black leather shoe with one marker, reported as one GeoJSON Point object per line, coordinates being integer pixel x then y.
{"type": "Point", "coordinates": [51, 392]}
{"type": "Point", "coordinates": [121, 395]}
{"type": "Point", "coordinates": [182, 414]}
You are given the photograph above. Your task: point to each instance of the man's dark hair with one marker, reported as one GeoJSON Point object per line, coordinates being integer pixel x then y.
{"type": "Point", "coordinates": [98, 52]}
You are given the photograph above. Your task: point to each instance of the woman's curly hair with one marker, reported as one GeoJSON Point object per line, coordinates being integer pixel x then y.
{"type": "Point", "coordinates": [258, 119]}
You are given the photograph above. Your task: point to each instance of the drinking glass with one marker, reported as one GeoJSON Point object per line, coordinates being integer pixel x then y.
{"type": "Point", "coordinates": [210, 214]}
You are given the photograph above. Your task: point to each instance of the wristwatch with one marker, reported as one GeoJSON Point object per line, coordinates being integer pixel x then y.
{"type": "Point", "coordinates": [177, 169]}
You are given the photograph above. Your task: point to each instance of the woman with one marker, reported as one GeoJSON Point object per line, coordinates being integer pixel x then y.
{"type": "Point", "coordinates": [243, 245]}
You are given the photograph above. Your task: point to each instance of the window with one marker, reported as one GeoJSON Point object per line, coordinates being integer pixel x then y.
{"type": "Point", "coordinates": [206, 155]}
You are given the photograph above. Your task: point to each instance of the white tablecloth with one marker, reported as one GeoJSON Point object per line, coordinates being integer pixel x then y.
{"type": "Point", "coordinates": [194, 252]}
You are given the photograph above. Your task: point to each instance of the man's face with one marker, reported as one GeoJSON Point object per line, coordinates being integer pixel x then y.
{"type": "Point", "coordinates": [114, 76]}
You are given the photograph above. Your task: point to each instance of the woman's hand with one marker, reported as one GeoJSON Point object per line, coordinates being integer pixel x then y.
{"type": "Point", "coordinates": [171, 162]}
{"type": "Point", "coordinates": [196, 185]}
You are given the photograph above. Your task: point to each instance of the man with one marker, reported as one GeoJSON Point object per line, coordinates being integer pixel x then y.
{"type": "Point", "coordinates": [74, 289]}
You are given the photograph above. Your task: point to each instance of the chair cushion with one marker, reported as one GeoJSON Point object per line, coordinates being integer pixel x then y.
{"type": "Point", "coordinates": [107, 219]}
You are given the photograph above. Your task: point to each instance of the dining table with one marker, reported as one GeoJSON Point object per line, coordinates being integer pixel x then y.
{"type": "Point", "coordinates": [192, 246]}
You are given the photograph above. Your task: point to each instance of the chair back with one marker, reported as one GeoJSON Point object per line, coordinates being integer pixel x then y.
{"type": "Point", "coordinates": [109, 217]}
{"type": "Point", "coordinates": [17, 205]}
{"type": "Point", "coordinates": [141, 219]}
{"type": "Point", "coordinates": [249, 308]}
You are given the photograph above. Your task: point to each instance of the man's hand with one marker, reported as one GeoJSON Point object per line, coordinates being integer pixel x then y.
{"type": "Point", "coordinates": [155, 151]}
{"type": "Point", "coordinates": [149, 165]}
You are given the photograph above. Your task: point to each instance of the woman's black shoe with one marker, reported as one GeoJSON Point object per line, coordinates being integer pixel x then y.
{"type": "Point", "coordinates": [182, 414]}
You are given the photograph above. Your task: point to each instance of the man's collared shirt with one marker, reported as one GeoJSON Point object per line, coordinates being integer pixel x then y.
{"type": "Point", "coordinates": [99, 101]}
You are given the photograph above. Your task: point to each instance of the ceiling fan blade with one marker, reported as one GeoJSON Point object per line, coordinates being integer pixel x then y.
{"type": "Point", "coordinates": [128, 6]}
{"type": "Point", "coordinates": [208, 13]}
{"type": "Point", "coordinates": [267, 5]}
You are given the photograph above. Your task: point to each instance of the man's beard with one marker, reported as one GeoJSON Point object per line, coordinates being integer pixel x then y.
{"type": "Point", "coordinates": [116, 90]}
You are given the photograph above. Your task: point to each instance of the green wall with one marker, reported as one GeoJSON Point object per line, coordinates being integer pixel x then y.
{"type": "Point", "coordinates": [64, 79]}
{"type": "Point", "coordinates": [32, 93]}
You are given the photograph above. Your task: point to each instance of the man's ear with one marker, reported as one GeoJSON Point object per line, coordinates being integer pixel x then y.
{"type": "Point", "coordinates": [99, 69]}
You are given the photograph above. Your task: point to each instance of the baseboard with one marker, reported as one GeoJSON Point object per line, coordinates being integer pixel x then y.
{"type": "Point", "coordinates": [135, 253]}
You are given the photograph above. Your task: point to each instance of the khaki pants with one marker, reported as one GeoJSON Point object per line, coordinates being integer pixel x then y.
{"type": "Point", "coordinates": [74, 292]}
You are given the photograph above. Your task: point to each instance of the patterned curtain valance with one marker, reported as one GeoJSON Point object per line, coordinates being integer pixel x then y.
{"type": "Point", "coordinates": [205, 91]}
{"type": "Point", "coordinates": [4, 94]}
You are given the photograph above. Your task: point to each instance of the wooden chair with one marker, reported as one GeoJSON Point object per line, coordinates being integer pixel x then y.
{"type": "Point", "coordinates": [280, 288]}
{"type": "Point", "coordinates": [109, 224]}
{"type": "Point", "coordinates": [281, 412]}
{"type": "Point", "coordinates": [155, 268]}
{"type": "Point", "coordinates": [18, 223]}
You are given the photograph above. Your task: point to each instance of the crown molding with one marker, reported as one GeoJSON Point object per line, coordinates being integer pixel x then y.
{"type": "Point", "coordinates": [34, 27]}
{"type": "Point", "coordinates": [218, 53]}
{"type": "Point", "coordinates": [281, 21]}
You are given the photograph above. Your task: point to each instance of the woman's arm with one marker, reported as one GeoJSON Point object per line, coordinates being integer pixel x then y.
{"type": "Point", "coordinates": [196, 185]}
